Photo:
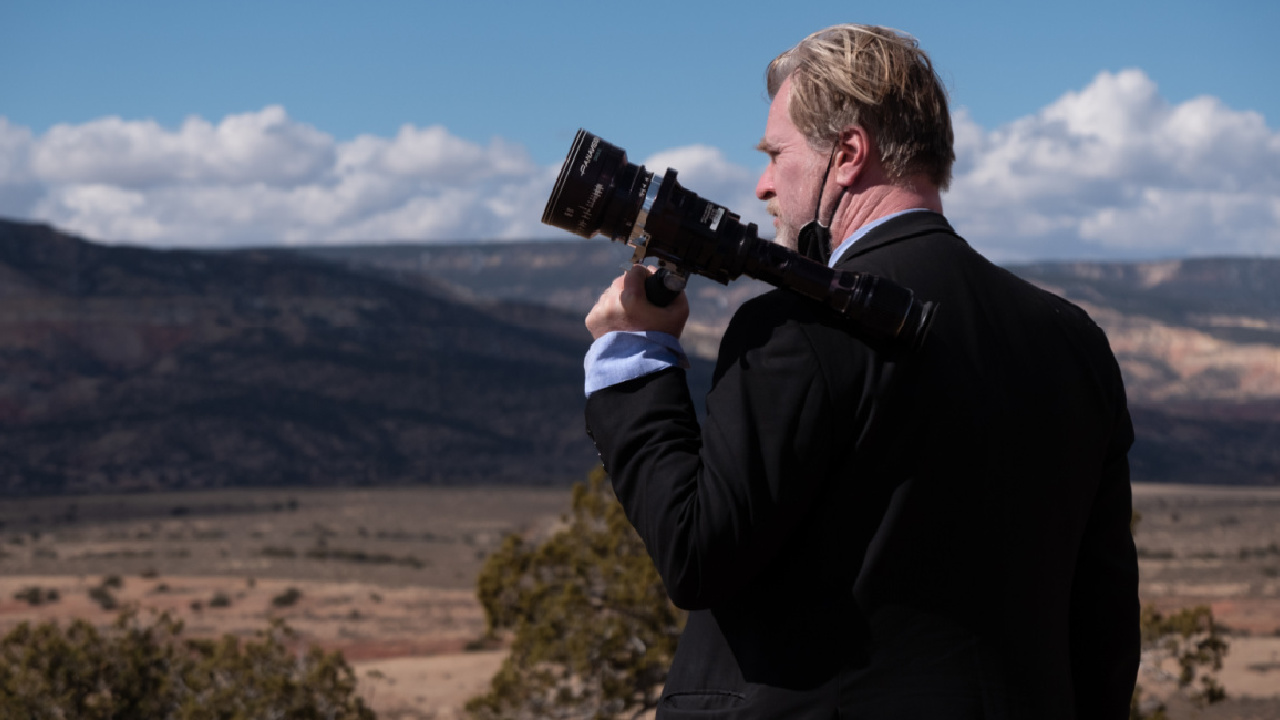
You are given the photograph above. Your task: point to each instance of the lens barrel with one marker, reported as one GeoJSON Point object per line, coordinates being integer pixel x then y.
{"type": "Point", "coordinates": [599, 193]}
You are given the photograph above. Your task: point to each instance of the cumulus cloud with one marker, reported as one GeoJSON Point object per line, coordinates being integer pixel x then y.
{"type": "Point", "coordinates": [265, 147]}
{"type": "Point", "coordinates": [1110, 171]}
{"type": "Point", "coordinates": [263, 178]}
{"type": "Point", "coordinates": [1115, 170]}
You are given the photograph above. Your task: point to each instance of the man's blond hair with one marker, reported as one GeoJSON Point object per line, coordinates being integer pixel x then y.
{"type": "Point", "coordinates": [875, 78]}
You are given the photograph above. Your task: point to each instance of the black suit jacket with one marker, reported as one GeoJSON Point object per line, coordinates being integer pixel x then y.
{"type": "Point", "coordinates": [942, 534]}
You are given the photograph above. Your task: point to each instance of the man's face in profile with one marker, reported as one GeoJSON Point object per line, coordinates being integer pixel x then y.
{"type": "Point", "coordinates": [790, 182]}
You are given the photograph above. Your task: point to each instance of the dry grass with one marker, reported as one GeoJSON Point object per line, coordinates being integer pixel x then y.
{"type": "Point", "coordinates": [1218, 546]}
{"type": "Point", "coordinates": [387, 575]}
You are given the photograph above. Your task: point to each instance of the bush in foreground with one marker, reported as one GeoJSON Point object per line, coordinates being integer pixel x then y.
{"type": "Point", "coordinates": [1191, 639]}
{"type": "Point", "coordinates": [146, 672]}
{"type": "Point", "coordinates": [593, 632]}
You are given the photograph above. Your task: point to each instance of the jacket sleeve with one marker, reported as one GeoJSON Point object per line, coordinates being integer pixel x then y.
{"type": "Point", "coordinates": [1105, 630]}
{"type": "Point", "coordinates": [714, 504]}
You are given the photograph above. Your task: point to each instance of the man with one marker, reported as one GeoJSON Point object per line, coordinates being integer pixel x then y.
{"type": "Point", "coordinates": [861, 533]}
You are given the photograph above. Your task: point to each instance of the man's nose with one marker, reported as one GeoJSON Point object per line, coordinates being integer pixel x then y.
{"type": "Point", "coordinates": [764, 188]}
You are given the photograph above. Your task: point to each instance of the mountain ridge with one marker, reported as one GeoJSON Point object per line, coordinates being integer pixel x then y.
{"type": "Point", "coordinates": [1198, 339]}
{"type": "Point", "coordinates": [131, 369]}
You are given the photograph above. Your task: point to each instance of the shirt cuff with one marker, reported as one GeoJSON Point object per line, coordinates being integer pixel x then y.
{"type": "Point", "coordinates": [619, 356]}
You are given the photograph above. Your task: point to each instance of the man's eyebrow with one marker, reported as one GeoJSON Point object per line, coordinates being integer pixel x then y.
{"type": "Point", "coordinates": [765, 146]}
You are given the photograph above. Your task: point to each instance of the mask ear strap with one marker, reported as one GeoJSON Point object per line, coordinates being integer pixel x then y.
{"type": "Point", "coordinates": [814, 240]}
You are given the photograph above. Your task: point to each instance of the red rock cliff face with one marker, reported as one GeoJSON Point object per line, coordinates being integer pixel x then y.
{"type": "Point", "coordinates": [1162, 362]}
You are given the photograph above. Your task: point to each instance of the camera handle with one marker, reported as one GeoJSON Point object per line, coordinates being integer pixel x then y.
{"type": "Point", "coordinates": [665, 284]}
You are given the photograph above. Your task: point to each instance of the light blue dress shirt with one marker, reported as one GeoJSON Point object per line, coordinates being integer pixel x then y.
{"type": "Point", "coordinates": [617, 357]}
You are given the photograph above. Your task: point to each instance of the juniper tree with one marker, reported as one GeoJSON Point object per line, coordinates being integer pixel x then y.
{"type": "Point", "coordinates": [1192, 638]}
{"type": "Point", "coordinates": [592, 631]}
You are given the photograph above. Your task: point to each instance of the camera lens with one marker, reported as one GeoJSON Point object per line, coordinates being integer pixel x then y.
{"type": "Point", "coordinates": [598, 192]}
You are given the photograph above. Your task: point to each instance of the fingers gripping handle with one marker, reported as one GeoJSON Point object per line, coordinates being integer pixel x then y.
{"type": "Point", "coordinates": [663, 286]}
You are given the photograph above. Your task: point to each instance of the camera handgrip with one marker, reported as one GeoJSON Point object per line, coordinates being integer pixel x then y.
{"type": "Point", "coordinates": [656, 290]}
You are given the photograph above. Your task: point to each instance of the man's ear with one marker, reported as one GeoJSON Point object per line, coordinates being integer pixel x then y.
{"type": "Point", "coordinates": [853, 155]}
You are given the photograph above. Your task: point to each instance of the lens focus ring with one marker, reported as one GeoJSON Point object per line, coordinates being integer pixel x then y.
{"type": "Point", "coordinates": [650, 195]}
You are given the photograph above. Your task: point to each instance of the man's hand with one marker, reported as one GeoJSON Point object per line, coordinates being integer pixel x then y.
{"type": "Point", "coordinates": [623, 306]}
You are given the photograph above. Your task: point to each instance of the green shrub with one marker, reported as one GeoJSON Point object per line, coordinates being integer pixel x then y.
{"type": "Point", "coordinates": [288, 598]}
{"type": "Point", "coordinates": [101, 594]}
{"type": "Point", "coordinates": [1198, 644]}
{"type": "Point", "coordinates": [593, 632]}
{"type": "Point", "coordinates": [35, 595]}
{"type": "Point", "coordinates": [134, 670]}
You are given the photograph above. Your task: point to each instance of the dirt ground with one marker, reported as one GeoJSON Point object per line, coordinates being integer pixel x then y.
{"type": "Point", "coordinates": [387, 576]}
{"type": "Point", "coordinates": [1218, 547]}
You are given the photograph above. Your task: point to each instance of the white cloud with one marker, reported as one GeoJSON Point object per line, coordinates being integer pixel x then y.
{"type": "Point", "coordinates": [265, 147]}
{"type": "Point", "coordinates": [262, 178]}
{"type": "Point", "coordinates": [706, 171]}
{"type": "Point", "coordinates": [1113, 170]}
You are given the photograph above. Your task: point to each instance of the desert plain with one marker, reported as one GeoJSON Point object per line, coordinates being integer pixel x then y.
{"type": "Point", "coordinates": [388, 575]}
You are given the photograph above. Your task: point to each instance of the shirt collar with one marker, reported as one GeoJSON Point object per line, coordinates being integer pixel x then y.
{"type": "Point", "coordinates": [862, 231]}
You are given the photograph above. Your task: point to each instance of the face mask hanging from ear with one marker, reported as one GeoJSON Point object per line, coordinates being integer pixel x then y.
{"type": "Point", "coordinates": [814, 240]}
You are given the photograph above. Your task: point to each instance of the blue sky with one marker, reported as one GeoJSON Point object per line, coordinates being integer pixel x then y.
{"type": "Point", "coordinates": [237, 123]}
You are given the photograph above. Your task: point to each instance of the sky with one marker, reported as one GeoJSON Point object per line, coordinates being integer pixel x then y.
{"type": "Point", "coordinates": [1084, 130]}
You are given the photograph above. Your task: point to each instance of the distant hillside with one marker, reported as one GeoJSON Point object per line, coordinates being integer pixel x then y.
{"type": "Point", "coordinates": [566, 275]}
{"type": "Point", "coordinates": [1233, 299]}
{"type": "Point", "coordinates": [1198, 340]}
{"type": "Point", "coordinates": [126, 369]}
{"type": "Point", "coordinates": [1199, 343]}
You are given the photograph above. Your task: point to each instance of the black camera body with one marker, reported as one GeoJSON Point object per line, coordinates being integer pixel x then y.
{"type": "Point", "coordinates": [599, 193]}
